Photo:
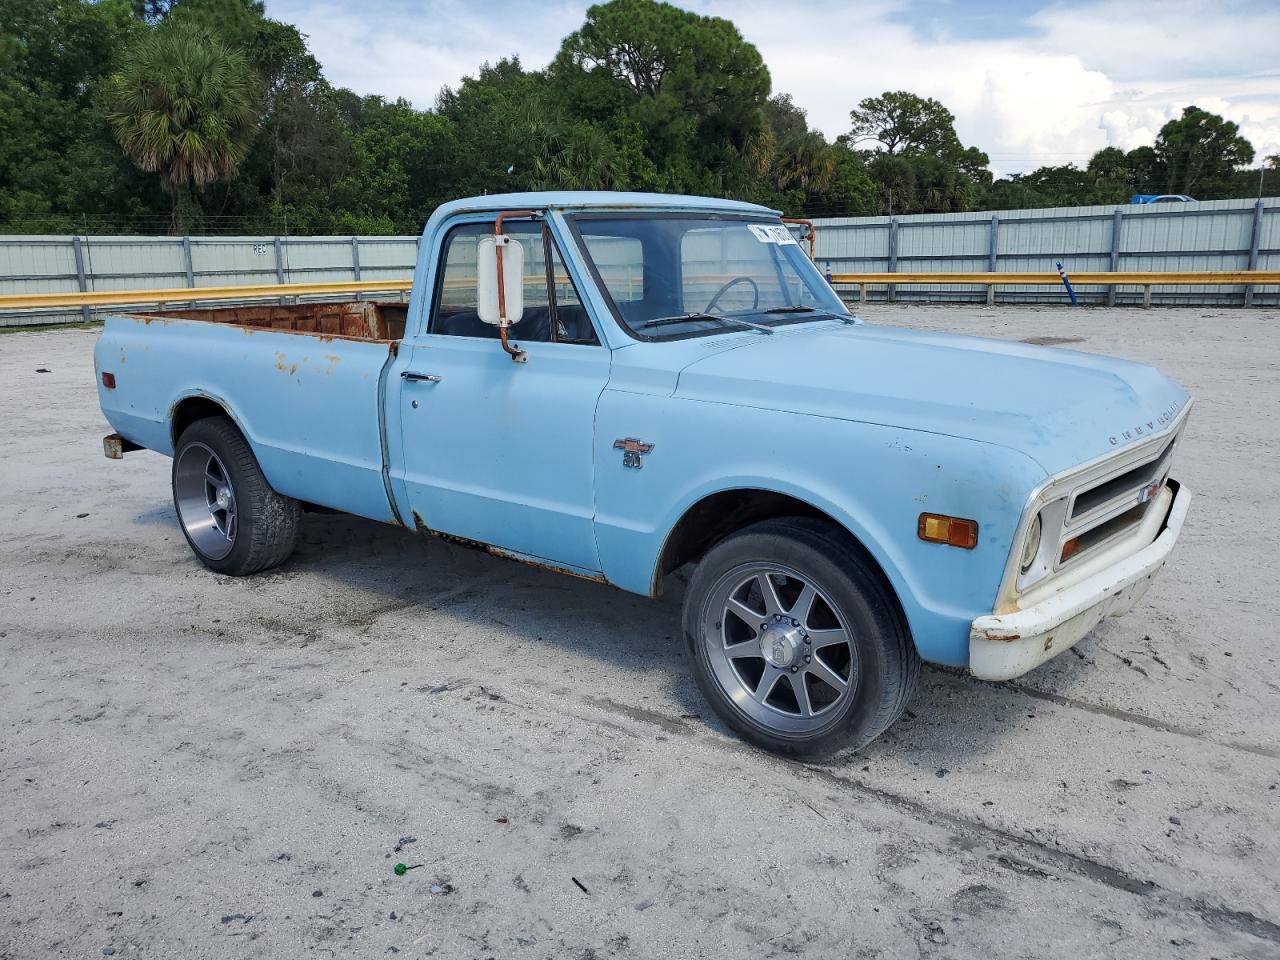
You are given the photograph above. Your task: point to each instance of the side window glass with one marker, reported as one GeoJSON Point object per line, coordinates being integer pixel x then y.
{"type": "Point", "coordinates": [456, 311]}
{"type": "Point", "coordinates": [572, 323]}
{"type": "Point", "coordinates": [536, 296]}
{"type": "Point", "coordinates": [552, 307]}
{"type": "Point", "coordinates": [456, 290]}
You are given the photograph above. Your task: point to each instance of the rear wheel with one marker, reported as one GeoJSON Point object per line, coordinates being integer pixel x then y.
{"type": "Point", "coordinates": [235, 523]}
{"type": "Point", "coordinates": [796, 640]}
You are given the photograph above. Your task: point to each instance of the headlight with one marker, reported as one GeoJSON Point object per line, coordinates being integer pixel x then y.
{"type": "Point", "coordinates": [1031, 546]}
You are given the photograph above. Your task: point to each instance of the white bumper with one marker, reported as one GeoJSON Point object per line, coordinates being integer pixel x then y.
{"type": "Point", "coordinates": [1006, 645]}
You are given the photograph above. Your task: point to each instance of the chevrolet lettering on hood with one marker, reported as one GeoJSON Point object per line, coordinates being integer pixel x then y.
{"type": "Point", "coordinates": [1166, 417]}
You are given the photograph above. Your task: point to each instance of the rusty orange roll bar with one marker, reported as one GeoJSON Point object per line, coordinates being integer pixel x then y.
{"type": "Point", "coordinates": [813, 231]}
{"type": "Point", "coordinates": [517, 354]}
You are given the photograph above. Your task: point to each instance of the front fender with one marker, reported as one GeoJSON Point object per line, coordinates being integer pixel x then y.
{"type": "Point", "coordinates": [872, 480]}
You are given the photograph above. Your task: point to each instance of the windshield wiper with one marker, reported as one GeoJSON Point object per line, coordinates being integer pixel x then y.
{"type": "Point", "coordinates": [798, 308]}
{"type": "Point", "coordinates": [715, 318]}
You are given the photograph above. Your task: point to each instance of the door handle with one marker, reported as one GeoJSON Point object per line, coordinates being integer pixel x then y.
{"type": "Point", "coordinates": [420, 377]}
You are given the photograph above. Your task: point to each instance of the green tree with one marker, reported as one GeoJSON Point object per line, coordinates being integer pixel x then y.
{"type": "Point", "coordinates": [514, 131]}
{"type": "Point", "coordinates": [803, 162]}
{"type": "Point", "coordinates": [921, 166]}
{"type": "Point", "coordinates": [1146, 171]}
{"type": "Point", "coordinates": [920, 183]}
{"type": "Point", "coordinates": [902, 122]}
{"type": "Point", "coordinates": [783, 118]}
{"type": "Point", "coordinates": [1053, 186]}
{"type": "Point", "coordinates": [241, 124]}
{"type": "Point", "coordinates": [59, 169]}
{"type": "Point", "coordinates": [798, 171]}
{"type": "Point", "coordinates": [853, 192]}
{"type": "Point", "coordinates": [1108, 165]}
{"type": "Point", "coordinates": [1010, 193]}
{"type": "Point", "coordinates": [1270, 164]}
{"type": "Point", "coordinates": [790, 162]}
{"type": "Point", "coordinates": [1200, 152]}
{"type": "Point", "coordinates": [152, 11]}
{"type": "Point", "coordinates": [1111, 173]}
{"type": "Point", "coordinates": [690, 84]}
{"type": "Point", "coordinates": [185, 107]}
{"type": "Point", "coordinates": [399, 172]}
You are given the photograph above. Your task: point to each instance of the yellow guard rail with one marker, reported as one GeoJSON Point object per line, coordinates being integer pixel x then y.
{"type": "Point", "coordinates": [1146, 280]}
{"type": "Point", "coordinates": [31, 301]}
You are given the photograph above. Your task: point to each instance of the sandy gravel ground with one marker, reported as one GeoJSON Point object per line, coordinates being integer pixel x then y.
{"type": "Point", "coordinates": [193, 766]}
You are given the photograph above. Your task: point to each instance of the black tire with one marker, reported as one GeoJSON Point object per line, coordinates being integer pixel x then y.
{"type": "Point", "coordinates": [266, 523]}
{"type": "Point", "coordinates": [882, 665]}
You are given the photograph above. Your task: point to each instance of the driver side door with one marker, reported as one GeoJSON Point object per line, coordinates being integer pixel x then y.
{"type": "Point", "coordinates": [499, 452]}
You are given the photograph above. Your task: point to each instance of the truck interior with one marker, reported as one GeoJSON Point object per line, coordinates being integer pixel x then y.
{"type": "Point", "coordinates": [572, 324]}
{"type": "Point", "coordinates": [356, 320]}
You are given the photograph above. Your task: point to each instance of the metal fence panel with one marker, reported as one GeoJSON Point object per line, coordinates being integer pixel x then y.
{"type": "Point", "coordinates": [133, 263]}
{"type": "Point", "coordinates": [1206, 235]}
{"type": "Point", "coordinates": [52, 264]}
{"type": "Point", "coordinates": [38, 264]}
{"type": "Point", "coordinates": [219, 261]}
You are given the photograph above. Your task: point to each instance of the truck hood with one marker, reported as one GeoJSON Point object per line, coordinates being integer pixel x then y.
{"type": "Point", "coordinates": [1060, 407]}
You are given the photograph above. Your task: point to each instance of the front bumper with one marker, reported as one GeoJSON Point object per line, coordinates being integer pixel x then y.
{"type": "Point", "coordinates": [1007, 645]}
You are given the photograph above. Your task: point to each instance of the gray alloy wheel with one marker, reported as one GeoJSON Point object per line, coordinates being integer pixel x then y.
{"type": "Point", "coordinates": [233, 520]}
{"type": "Point", "coordinates": [779, 647]}
{"type": "Point", "coordinates": [796, 638]}
{"type": "Point", "coordinates": [206, 501]}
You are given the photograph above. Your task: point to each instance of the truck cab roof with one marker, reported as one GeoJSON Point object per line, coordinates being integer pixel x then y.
{"type": "Point", "coordinates": [594, 200]}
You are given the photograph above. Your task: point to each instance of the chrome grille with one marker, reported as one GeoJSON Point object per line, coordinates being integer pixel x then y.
{"type": "Point", "coordinates": [1123, 488]}
{"type": "Point", "coordinates": [1099, 504]}
{"type": "Point", "coordinates": [1109, 507]}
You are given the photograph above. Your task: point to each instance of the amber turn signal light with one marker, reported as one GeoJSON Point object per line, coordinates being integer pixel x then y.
{"type": "Point", "coordinates": [1070, 548]}
{"type": "Point", "coordinates": [954, 531]}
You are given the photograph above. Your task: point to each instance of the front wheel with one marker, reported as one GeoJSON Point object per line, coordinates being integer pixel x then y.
{"type": "Point", "coordinates": [232, 519]}
{"type": "Point", "coordinates": [796, 640]}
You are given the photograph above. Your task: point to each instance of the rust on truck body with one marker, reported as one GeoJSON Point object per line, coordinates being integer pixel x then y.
{"type": "Point", "coordinates": [366, 320]}
{"type": "Point", "coordinates": [489, 548]}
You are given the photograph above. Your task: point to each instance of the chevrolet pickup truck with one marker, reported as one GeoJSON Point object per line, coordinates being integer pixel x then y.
{"type": "Point", "coordinates": [618, 386]}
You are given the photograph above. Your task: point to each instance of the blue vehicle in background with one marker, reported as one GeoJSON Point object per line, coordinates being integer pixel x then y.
{"type": "Point", "coordinates": [1161, 198]}
{"type": "Point", "coordinates": [618, 386]}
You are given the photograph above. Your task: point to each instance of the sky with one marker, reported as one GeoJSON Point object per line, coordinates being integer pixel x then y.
{"type": "Point", "coordinates": [1032, 83]}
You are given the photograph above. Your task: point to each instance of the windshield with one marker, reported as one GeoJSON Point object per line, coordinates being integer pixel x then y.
{"type": "Point", "coordinates": [670, 277]}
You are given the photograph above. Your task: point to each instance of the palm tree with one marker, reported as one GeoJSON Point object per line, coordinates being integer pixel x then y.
{"type": "Point", "coordinates": [804, 162]}
{"type": "Point", "coordinates": [186, 107]}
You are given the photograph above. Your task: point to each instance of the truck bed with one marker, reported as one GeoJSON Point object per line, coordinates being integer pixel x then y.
{"type": "Point", "coordinates": [356, 320]}
{"type": "Point", "coordinates": [304, 384]}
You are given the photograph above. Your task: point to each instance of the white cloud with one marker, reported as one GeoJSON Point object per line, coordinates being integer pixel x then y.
{"type": "Point", "coordinates": [1134, 40]}
{"type": "Point", "coordinates": [411, 50]}
{"type": "Point", "coordinates": [1085, 75]}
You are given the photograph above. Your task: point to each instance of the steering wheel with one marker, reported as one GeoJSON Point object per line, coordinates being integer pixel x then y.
{"type": "Point", "coordinates": [755, 287]}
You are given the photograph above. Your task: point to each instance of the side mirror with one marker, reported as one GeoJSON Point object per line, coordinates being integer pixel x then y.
{"type": "Point", "coordinates": [500, 280]}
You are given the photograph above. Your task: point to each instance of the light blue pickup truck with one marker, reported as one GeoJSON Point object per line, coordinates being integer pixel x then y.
{"type": "Point", "coordinates": [619, 385]}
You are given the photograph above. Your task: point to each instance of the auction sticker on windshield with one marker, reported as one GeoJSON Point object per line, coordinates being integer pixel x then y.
{"type": "Point", "coordinates": [771, 234]}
